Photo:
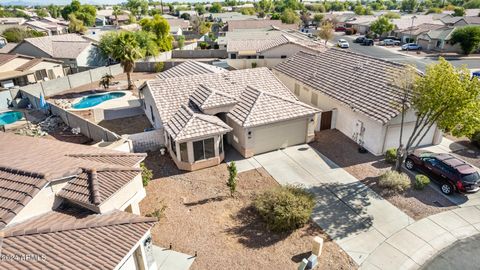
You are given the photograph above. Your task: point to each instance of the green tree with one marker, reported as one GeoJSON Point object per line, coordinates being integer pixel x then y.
{"type": "Point", "coordinates": [147, 41]}
{"type": "Point", "coordinates": [289, 16]}
{"type": "Point", "coordinates": [392, 15]}
{"type": "Point", "coordinates": [181, 41]}
{"type": "Point", "coordinates": [445, 96]}
{"type": "Point", "coordinates": [317, 19]}
{"type": "Point", "coordinates": [434, 10]}
{"type": "Point", "coordinates": [381, 25]}
{"type": "Point", "coordinates": [248, 11]}
{"type": "Point", "coordinates": [472, 4]}
{"type": "Point", "coordinates": [200, 9]}
{"type": "Point", "coordinates": [75, 25]}
{"type": "Point", "coordinates": [85, 13]}
{"type": "Point", "coordinates": [459, 12]}
{"type": "Point", "coordinates": [468, 37]}
{"type": "Point", "coordinates": [42, 13]}
{"type": "Point", "coordinates": [123, 47]}
{"type": "Point", "coordinates": [265, 5]}
{"type": "Point", "coordinates": [117, 11]}
{"type": "Point", "coordinates": [216, 8]}
{"type": "Point", "coordinates": [106, 81]}
{"type": "Point", "coordinates": [232, 178]}
{"type": "Point", "coordinates": [160, 27]}
{"type": "Point", "coordinates": [326, 32]}
{"type": "Point", "coordinates": [137, 7]}
{"type": "Point", "coordinates": [409, 6]}
{"type": "Point", "coordinates": [147, 176]}
{"type": "Point", "coordinates": [54, 11]}
{"type": "Point", "coordinates": [16, 34]}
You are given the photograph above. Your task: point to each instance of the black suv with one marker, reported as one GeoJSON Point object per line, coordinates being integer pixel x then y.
{"type": "Point", "coordinates": [359, 39]}
{"type": "Point", "coordinates": [367, 42]}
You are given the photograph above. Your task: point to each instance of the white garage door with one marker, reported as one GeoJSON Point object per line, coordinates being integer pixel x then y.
{"type": "Point", "coordinates": [273, 137]}
{"type": "Point", "coordinates": [393, 135]}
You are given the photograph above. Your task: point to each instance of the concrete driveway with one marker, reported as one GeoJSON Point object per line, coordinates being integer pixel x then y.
{"type": "Point", "coordinates": [352, 214]}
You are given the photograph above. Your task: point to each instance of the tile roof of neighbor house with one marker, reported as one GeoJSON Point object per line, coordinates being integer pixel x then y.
{"type": "Point", "coordinates": [92, 187]}
{"type": "Point", "coordinates": [269, 40]}
{"type": "Point", "coordinates": [361, 82]}
{"type": "Point", "coordinates": [74, 239]}
{"type": "Point", "coordinates": [441, 33]}
{"type": "Point", "coordinates": [8, 47]}
{"type": "Point", "coordinates": [233, 83]}
{"type": "Point", "coordinates": [206, 98]}
{"type": "Point", "coordinates": [60, 46]}
{"type": "Point", "coordinates": [183, 24]}
{"type": "Point", "coordinates": [28, 164]}
{"type": "Point", "coordinates": [187, 124]}
{"type": "Point", "coordinates": [406, 21]}
{"type": "Point", "coordinates": [259, 24]}
{"type": "Point", "coordinates": [189, 68]}
{"type": "Point", "coordinates": [422, 28]}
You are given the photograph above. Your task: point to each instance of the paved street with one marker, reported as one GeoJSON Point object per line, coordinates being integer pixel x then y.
{"type": "Point", "coordinates": [382, 53]}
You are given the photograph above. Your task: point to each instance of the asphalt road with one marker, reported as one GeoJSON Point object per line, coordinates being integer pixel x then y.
{"type": "Point", "coordinates": [420, 63]}
{"type": "Point", "coordinates": [461, 255]}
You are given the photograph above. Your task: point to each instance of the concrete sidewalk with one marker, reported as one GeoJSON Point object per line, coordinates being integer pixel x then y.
{"type": "Point", "coordinates": [352, 214]}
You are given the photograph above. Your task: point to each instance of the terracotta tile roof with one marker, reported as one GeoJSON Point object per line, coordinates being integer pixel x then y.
{"type": "Point", "coordinates": [259, 24]}
{"type": "Point", "coordinates": [187, 125]}
{"type": "Point", "coordinates": [93, 187]}
{"type": "Point", "coordinates": [74, 239]}
{"type": "Point", "coordinates": [17, 188]}
{"type": "Point", "coordinates": [232, 83]}
{"type": "Point", "coordinates": [206, 98]}
{"type": "Point", "coordinates": [60, 46]}
{"type": "Point", "coordinates": [363, 83]}
{"type": "Point", "coordinates": [189, 68]}
{"type": "Point", "coordinates": [259, 108]}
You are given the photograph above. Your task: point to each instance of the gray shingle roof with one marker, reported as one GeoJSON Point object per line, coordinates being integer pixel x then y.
{"type": "Point", "coordinates": [189, 68]}
{"type": "Point", "coordinates": [363, 83]}
{"type": "Point", "coordinates": [187, 124]}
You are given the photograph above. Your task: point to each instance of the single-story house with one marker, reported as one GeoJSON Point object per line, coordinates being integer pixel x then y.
{"type": "Point", "coordinates": [267, 44]}
{"type": "Point", "coordinates": [177, 26]}
{"type": "Point", "coordinates": [68, 205]}
{"type": "Point", "coordinates": [361, 24]}
{"type": "Point", "coordinates": [407, 21]}
{"type": "Point", "coordinates": [226, 17]}
{"type": "Point", "coordinates": [47, 27]}
{"type": "Point", "coordinates": [16, 69]}
{"type": "Point", "coordinates": [119, 20]}
{"type": "Point", "coordinates": [356, 95]}
{"type": "Point", "coordinates": [249, 109]}
{"type": "Point", "coordinates": [439, 40]}
{"type": "Point", "coordinates": [413, 32]}
{"type": "Point", "coordinates": [9, 22]}
{"type": "Point", "coordinates": [76, 52]}
{"type": "Point", "coordinates": [258, 24]}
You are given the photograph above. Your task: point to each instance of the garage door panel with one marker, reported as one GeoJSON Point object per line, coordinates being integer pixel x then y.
{"type": "Point", "coordinates": [393, 134]}
{"type": "Point", "coordinates": [278, 136]}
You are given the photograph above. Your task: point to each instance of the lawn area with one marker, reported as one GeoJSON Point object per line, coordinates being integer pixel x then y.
{"type": "Point", "coordinates": [226, 232]}
{"type": "Point", "coordinates": [367, 168]}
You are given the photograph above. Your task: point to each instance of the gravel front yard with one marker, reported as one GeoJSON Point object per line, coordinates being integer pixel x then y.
{"type": "Point", "coordinates": [225, 232]}
{"type": "Point", "coordinates": [367, 168]}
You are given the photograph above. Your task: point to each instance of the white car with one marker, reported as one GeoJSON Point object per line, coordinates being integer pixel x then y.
{"type": "Point", "coordinates": [390, 42]}
{"type": "Point", "coordinates": [342, 43]}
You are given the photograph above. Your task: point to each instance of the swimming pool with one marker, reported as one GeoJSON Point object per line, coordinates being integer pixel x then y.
{"type": "Point", "coordinates": [10, 117]}
{"type": "Point", "coordinates": [95, 99]}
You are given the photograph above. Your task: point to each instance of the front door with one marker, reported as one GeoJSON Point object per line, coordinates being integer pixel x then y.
{"type": "Point", "coordinates": [326, 120]}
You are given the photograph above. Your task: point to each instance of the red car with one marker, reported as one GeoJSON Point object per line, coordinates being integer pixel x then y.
{"type": "Point", "coordinates": [453, 174]}
{"type": "Point", "coordinates": [340, 29]}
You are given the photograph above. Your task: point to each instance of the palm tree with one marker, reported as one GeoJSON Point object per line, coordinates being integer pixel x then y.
{"type": "Point", "coordinates": [106, 81]}
{"type": "Point", "coordinates": [126, 50]}
{"type": "Point", "coordinates": [116, 11]}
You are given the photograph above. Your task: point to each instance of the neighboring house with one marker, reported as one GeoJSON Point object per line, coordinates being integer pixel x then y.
{"type": "Point", "coordinates": [177, 26]}
{"type": "Point", "coordinates": [473, 20]}
{"type": "Point", "coordinates": [407, 21]}
{"type": "Point", "coordinates": [20, 70]}
{"type": "Point", "coordinates": [6, 23]}
{"type": "Point", "coordinates": [76, 52]}
{"type": "Point", "coordinates": [46, 27]}
{"type": "Point", "coordinates": [100, 21]}
{"type": "Point", "coordinates": [412, 33]}
{"type": "Point", "coordinates": [70, 205]}
{"type": "Point", "coordinates": [356, 95]}
{"type": "Point", "coordinates": [122, 19]}
{"type": "Point", "coordinates": [339, 19]}
{"type": "Point", "coordinates": [248, 109]}
{"type": "Point", "coordinates": [278, 44]}
{"type": "Point", "coordinates": [439, 40]}
{"type": "Point", "coordinates": [361, 24]}
{"type": "Point", "coordinates": [258, 24]}
{"type": "Point", "coordinates": [226, 17]}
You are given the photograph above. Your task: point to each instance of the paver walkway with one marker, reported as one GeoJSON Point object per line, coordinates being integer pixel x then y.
{"type": "Point", "coordinates": [352, 214]}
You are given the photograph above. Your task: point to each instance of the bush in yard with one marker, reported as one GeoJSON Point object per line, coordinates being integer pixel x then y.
{"type": "Point", "coordinates": [159, 66]}
{"type": "Point", "coordinates": [394, 181]}
{"type": "Point", "coordinates": [421, 181]}
{"type": "Point", "coordinates": [285, 208]}
{"type": "Point", "coordinates": [232, 178]}
{"type": "Point", "coordinates": [147, 174]}
{"type": "Point", "coordinates": [391, 155]}
{"type": "Point", "coordinates": [475, 139]}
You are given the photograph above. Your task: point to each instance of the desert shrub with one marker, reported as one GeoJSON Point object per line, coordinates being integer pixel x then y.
{"type": "Point", "coordinates": [203, 45]}
{"type": "Point", "coordinates": [158, 212]}
{"type": "Point", "coordinates": [159, 66]}
{"type": "Point", "coordinates": [254, 64]}
{"type": "Point", "coordinates": [147, 174]}
{"type": "Point", "coordinates": [394, 181]}
{"type": "Point", "coordinates": [421, 181]}
{"type": "Point", "coordinates": [391, 155]}
{"type": "Point", "coordinates": [476, 138]}
{"type": "Point", "coordinates": [285, 208]}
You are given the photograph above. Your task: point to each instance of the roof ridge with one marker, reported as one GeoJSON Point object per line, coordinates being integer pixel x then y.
{"type": "Point", "coordinates": [93, 186]}
{"type": "Point", "coordinates": [258, 93]}
{"type": "Point", "coordinates": [120, 154]}
{"type": "Point", "coordinates": [22, 172]}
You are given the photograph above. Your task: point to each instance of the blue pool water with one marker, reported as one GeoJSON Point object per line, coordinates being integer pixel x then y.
{"type": "Point", "coordinates": [10, 117]}
{"type": "Point", "coordinates": [95, 99]}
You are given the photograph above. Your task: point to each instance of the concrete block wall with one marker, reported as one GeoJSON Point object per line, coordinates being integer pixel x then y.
{"type": "Point", "coordinates": [199, 54]}
{"type": "Point", "coordinates": [147, 141]}
{"type": "Point", "coordinates": [56, 86]}
{"type": "Point", "coordinates": [79, 79]}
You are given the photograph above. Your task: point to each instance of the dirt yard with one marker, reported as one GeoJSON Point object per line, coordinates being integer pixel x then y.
{"type": "Point", "coordinates": [367, 168]}
{"type": "Point", "coordinates": [127, 125]}
{"type": "Point", "coordinates": [225, 232]}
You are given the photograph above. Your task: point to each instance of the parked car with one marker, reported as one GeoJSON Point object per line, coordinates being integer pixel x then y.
{"type": "Point", "coordinates": [390, 42]}
{"type": "Point", "coordinates": [453, 174]}
{"type": "Point", "coordinates": [359, 40]}
{"type": "Point", "coordinates": [389, 37]}
{"type": "Point", "coordinates": [342, 43]}
{"type": "Point", "coordinates": [340, 29]}
{"type": "Point", "coordinates": [411, 47]}
{"type": "Point", "coordinates": [367, 42]}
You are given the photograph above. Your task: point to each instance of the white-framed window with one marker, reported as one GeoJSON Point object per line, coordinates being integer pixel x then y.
{"type": "Point", "coordinates": [203, 149]}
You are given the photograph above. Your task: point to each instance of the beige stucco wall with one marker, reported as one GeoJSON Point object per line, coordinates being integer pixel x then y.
{"type": "Point", "coordinates": [13, 64]}
{"type": "Point", "coordinates": [56, 67]}
{"type": "Point", "coordinates": [125, 263]}
{"type": "Point", "coordinates": [129, 195]}
{"type": "Point", "coordinates": [149, 102]}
